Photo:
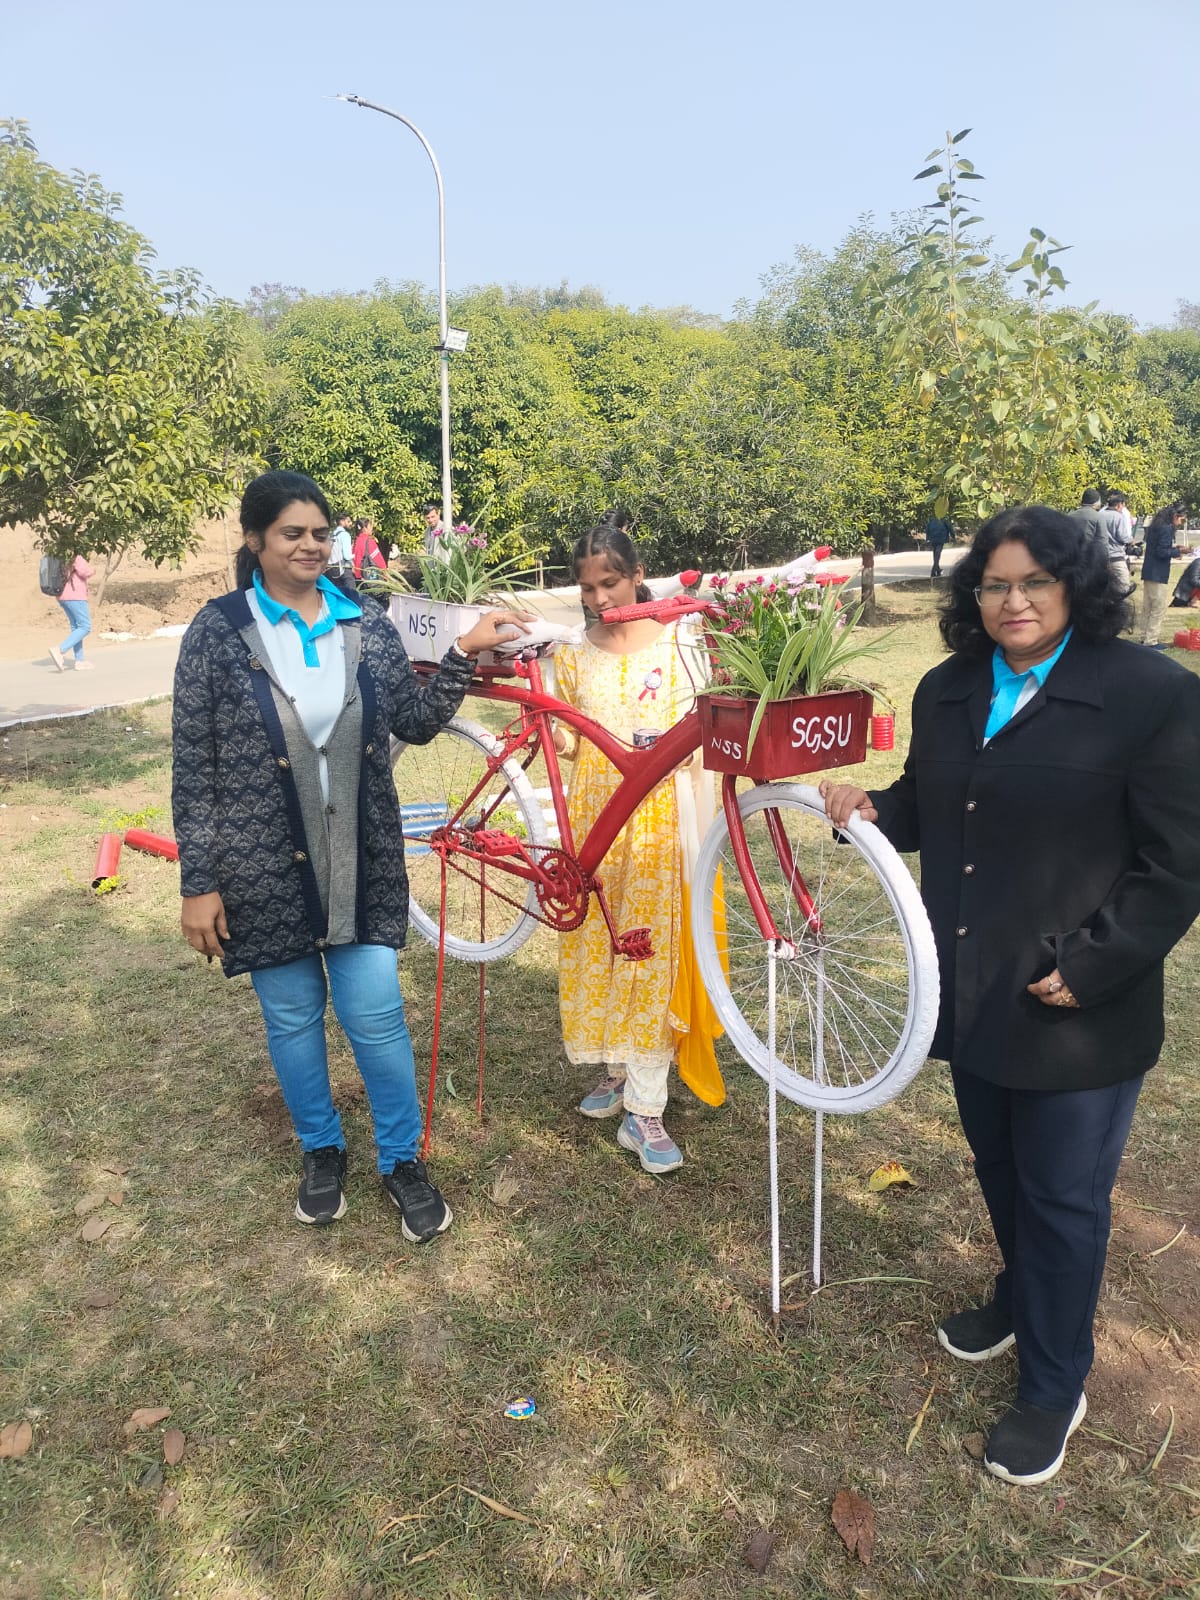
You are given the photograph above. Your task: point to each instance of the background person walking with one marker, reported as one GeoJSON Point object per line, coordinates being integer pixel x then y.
{"type": "Point", "coordinates": [74, 601]}
{"type": "Point", "coordinates": [938, 532]}
{"type": "Point", "coordinates": [1156, 571]}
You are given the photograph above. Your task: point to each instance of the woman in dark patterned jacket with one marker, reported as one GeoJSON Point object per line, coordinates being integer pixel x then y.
{"type": "Point", "coordinates": [290, 841]}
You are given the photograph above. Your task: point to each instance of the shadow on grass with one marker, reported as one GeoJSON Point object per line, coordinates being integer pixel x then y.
{"type": "Point", "coordinates": [81, 755]}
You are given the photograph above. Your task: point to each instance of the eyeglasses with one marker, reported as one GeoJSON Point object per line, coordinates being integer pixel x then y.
{"type": "Point", "coordinates": [1035, 589]}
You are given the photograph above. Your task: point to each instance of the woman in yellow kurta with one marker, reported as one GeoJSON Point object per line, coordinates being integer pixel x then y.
{"type": "Point", "coordinates": [633, 1017]}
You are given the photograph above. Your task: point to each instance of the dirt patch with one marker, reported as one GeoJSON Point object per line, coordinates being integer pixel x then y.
{"type": "Point", "coordinates": [1148, 1324]}
{"type": "Point", "coordinates": [139, 598]}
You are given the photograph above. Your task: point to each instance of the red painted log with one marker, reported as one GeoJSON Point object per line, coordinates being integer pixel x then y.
{"type": "Point", "coordinates": [154, 844]}
{"type": "Point", "coordinates": [108, 855]}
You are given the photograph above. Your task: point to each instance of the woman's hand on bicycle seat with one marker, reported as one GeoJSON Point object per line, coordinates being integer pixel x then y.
{"type": "Point", "coordinates": [843, 800]}
{"type": "Point", "coordinates": [487, 634]}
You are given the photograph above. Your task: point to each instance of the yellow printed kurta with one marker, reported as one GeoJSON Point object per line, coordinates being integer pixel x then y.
{"type": "Point", "coordinates": [633, 1016]}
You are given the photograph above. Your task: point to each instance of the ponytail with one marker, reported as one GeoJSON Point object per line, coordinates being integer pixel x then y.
{"type": "Point", "coordinates": [246, 565]}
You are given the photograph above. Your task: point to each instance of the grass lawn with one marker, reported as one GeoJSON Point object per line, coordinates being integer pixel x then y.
{"type": "Point", "coordinates": [341, 1393]}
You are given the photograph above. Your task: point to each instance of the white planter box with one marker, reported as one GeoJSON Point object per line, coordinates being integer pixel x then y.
{"type": "Point", "coordinates": [429, 627]}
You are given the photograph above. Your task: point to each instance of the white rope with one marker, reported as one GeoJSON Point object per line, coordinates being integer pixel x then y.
{"type": "Point", "coordinates": [772, 1131]}
{"type": "Point", "coordinates": [819, 1141]}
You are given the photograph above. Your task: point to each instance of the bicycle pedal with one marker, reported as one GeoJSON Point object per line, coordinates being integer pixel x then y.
{"type": "Point", "coordinates": [635, 945]}
{"type": "Point", "coordinates": [494, 842]}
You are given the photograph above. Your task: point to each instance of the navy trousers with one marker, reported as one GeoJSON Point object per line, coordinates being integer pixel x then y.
{"type": "Point", "coordinates": [1046, 1162]}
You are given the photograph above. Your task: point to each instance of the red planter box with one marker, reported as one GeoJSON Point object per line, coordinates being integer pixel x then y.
{"type": "Point", "coordinates": [805, 734]}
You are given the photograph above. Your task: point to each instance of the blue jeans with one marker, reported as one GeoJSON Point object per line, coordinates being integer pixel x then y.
{"type": "Point", "coordinates": [367, 1002]}
{"type": "Point", "coordinates": [1046, 1161]}
{"type": "Point", "coordinates": [80, 619]}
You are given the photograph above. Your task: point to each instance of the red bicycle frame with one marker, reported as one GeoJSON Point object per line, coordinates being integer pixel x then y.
{"type": "Point", "coordinates": [642, 770]}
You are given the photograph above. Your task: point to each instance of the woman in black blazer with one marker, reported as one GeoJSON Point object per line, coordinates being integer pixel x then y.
{"type": "Point", "coordinates": [1050, 787]}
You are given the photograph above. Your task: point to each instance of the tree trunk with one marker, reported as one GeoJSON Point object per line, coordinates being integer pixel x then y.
{"type": "Point", "coordinates": [230, 556]}
{"type": "Point", "coordinates": [868, 583]}
{"type": "Point", "coordinates": [111, 563]}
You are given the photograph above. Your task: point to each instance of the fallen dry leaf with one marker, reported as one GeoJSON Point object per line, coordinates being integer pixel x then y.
{"type": "Point", "coordinates": [167, 1501]}
{"type": "Point", "coordinates": [117, 1198]}
{"type": "Point", "coordinates": [760, 1550]}
{"type": "Point", "coordinates": [95, 1228]}
{"type": "Point", "coordinates": [99, 1299]}
{"type": "Point", "coordinates": [854, 1519]}
{"type": "Point", "coordinates": [152, 1478]}
{"type": "Point", "coordinates": [15, 1439]}
{"type": "Point", "coordinates": [975, 1444]}
{"type": "Point", "coordinates": [504, 1187]}
{"type": "Point", "coordinates": [885, 1176]}
{"type": "Point", "coordinates": [146, 1417]}
{"type": "Point", "coordinates": [89, 1202]}
{"type": "Point", "coordinates": [174, 1444]}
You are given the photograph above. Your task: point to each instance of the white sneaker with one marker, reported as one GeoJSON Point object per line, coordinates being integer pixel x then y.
{"type": "Point", "coordinates": [56, 656]}
{"type": "Point", "coordinates": [85, 666]}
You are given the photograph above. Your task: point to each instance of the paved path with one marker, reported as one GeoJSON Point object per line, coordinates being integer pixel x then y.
{"type": "Point", "coordinates": [143, 669]}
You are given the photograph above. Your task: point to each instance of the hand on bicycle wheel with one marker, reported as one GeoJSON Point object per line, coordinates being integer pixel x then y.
{"type": "Point", "coordinates": [842, 800]}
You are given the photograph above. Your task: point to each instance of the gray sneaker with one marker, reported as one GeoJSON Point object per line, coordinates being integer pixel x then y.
{"type": "Point", "coordinates": [607, 1099]}
{"type": "Point", "coordinates": [650, 1143]}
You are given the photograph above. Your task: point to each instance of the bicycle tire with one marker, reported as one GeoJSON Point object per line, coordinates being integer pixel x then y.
{"type": "Point", "coordinates": [857, 1007]}
{"type": "Point", "coordinates": [428, 779]}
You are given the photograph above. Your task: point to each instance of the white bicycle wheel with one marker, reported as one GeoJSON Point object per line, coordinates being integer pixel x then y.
{"type": "Point", "coordinates": [487, 908]}
{"type": "Point", "coordinates": [857, 1005]}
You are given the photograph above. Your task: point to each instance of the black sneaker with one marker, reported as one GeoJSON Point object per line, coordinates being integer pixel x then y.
{"type": "Point", "coordinates": [321, 1200]}
{"type": "Point", "coordinates": [977, 1334]}
{"type": "Point", "coordinates": [423, 1212]}
{"type": "Point", "coordinates": [1027, 1445]}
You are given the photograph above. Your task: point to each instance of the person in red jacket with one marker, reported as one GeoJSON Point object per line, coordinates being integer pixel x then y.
{"type": "Point", "coordinates": [368, 557]}
{"type": "Point", "coordinates": [74, 601]}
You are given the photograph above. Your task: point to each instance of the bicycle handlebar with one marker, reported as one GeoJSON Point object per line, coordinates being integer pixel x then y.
{"type": "Point", "coordinates": [666, 610]}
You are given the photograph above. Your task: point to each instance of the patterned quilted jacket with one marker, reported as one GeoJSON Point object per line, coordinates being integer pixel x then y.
{"type": "Point", "coordinates": [237, 808]}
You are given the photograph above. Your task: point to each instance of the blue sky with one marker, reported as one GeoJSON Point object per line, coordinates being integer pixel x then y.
{"type": "Point", "coordinates": [667, 152]}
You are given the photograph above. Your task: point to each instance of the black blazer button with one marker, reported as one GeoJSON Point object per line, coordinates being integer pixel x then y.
{"type": "Point", "coordinates": [968, 869]}
{"type": "Point", "coordinates": [971, 805]}
{"type": "Point", "coordinates": [961, 933]}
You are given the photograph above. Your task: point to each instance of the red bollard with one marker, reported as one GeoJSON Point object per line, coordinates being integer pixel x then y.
{"type": "Point", "coordinates": [154, 844]}
{"type": "Point", "coordinates": [883, 731]}
{"type": "Point", "coordinates": [107, 856]}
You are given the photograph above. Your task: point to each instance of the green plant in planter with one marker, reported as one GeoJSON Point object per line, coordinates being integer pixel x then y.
{"type": "Point", "coordinates": [460, 571]}
{"type": "Point", "coordinates": [774, 641]}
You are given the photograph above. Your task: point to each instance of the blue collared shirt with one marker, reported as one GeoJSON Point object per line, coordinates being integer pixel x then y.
{"type": "Point", "coordinates": [337, 607]}
{"type": "Point", "coordinates": [1011, 690]}
{"type": "Point", "coordinates": [309, 663]}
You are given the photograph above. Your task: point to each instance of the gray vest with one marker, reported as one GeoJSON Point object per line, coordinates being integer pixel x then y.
{"type": "Point", "coordinates": [331, 828]}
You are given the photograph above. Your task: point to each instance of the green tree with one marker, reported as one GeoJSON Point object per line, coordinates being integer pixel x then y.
{"type": "Point", "coordinates": [1010, 388]}
{"type": "Point", "coordinates": [1168, 365]}
{"type": "Point", "coordinates": [130, 404]}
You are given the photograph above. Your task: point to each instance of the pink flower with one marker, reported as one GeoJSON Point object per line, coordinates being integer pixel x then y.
{"type": "Point", "coordinates": [739, 588]}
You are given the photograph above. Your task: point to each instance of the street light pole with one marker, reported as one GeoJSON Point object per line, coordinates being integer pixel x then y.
{"type": "Point", "coordinates": [443, 315]}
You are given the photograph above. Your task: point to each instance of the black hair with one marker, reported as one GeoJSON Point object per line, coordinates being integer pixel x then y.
{"type": "Point", "coordinates": [1165, 517]}
{"type": "Point", "coordinates": [361, 523]}
{"type": "Point", "coordinates": [1116, 497]}
{"type": "Point", "coordinates": [607, 539]}
{"type": "Point", "coordinates": [1097, 599]}
{"type": "Point", "coordinates": [616, 517]}
{"type": "Point", "coordinates": [428, 507]}
{"type": "Point", "coordinates": [265, 499]}
{"type": "Point", "coordinates": [1091, 497]}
